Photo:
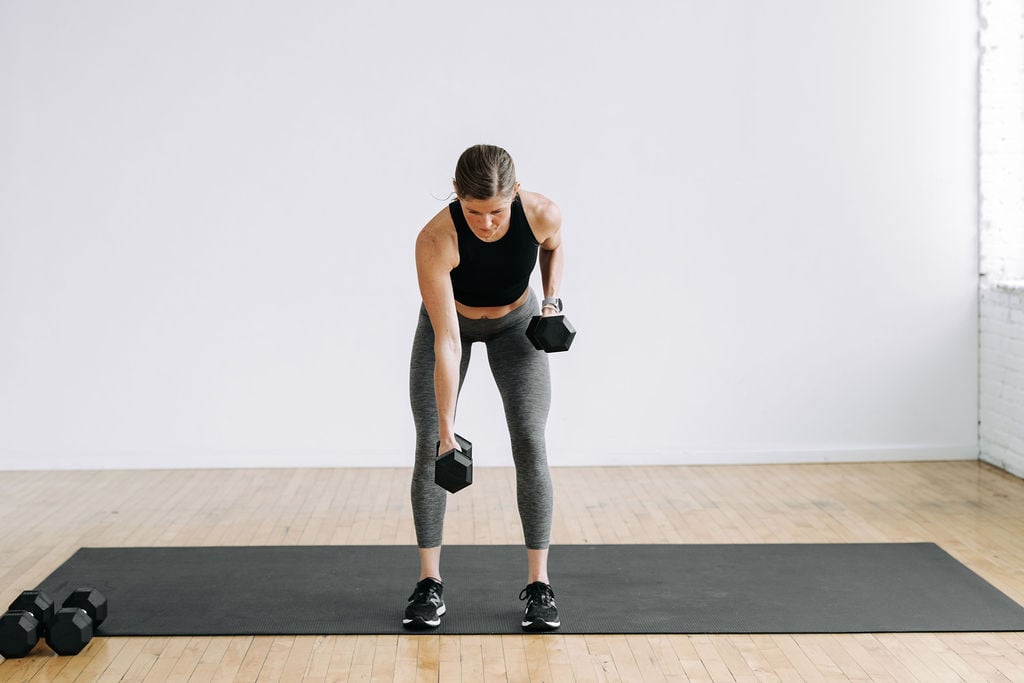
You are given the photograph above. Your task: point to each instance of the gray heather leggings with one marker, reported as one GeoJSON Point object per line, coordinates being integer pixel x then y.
{"type": "Point", "coordinates": [524, 381]}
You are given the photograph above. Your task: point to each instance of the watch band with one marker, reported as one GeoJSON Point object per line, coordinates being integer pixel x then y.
{"type": "Point", "coordinates": [552, 301]}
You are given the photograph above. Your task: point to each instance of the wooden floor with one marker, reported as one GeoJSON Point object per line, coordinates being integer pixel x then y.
{"type": "Point", "coordinates": [973, 511]}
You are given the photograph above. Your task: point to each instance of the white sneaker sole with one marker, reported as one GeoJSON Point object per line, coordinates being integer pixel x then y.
{"type": "Point", "coordinates": [541, 625]}
{"type": "Point", "coordinates": [431, 623]}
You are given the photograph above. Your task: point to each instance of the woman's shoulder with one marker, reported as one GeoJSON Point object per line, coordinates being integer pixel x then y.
{"type": "Point", "coordinates": [440, 226]}
{"type": "Point", "coordinates": [542, 213]}
{"type": "Point", "coordinates": [438, 237]}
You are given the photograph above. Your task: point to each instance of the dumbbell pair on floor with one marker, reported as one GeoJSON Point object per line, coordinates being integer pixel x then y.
{"type": "Point", "coordinates": [67, 631]}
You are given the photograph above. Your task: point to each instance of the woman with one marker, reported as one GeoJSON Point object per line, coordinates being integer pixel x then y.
{"type": "Point", "coordinates": [473, 262]}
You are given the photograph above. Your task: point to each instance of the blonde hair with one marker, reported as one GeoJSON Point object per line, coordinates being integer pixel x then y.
{"type": "Point", "coordinates": [483, 172]}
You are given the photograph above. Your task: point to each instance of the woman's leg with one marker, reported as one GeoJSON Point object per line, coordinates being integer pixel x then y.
{"type": "Point", "coordinates": [524, 381]}
{"type": "Point", "coordinates": [537, 565]}
{"type": "Point", "coordinates": [428, 499]}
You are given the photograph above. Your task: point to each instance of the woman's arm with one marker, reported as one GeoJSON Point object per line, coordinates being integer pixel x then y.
{"type": "Point", "coordinates": [436, 256]}
{"type": "Point", "coordinates": [552, 260]}
{"type": "Point", "coordinates": [547, 224]}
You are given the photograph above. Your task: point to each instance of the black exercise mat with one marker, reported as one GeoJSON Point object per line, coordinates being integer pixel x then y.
{"type": "Point", "coordinates": [785, 588]}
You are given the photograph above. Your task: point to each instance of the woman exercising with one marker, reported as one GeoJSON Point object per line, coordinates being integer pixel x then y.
{"type": "Point", "coordinates": [473, 261]}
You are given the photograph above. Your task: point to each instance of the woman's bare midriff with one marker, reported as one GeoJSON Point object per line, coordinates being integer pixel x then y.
{"type": "Point", "coordinates": [490, 312]}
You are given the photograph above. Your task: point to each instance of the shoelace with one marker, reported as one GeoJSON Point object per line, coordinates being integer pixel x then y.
{"type": "Point", "coordinates": [424, 590]}
{"type": "Point", "coordinates": [538, 592]}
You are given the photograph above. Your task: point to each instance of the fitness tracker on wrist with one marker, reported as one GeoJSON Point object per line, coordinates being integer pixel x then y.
{"type": "Point", "coordinates": [552, 301]}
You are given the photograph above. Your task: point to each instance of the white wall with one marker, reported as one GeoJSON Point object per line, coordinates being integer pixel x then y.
{"type": "Point", "coordinates": [207, 212]}
{"type": "Point", "coordinates": [1001, 157]}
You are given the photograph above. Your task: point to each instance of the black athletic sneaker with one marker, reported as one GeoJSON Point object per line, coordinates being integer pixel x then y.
{"type": "Point", "coordinates": [425, 606]}
{"type": "Point", "coordinates": [541, 611]}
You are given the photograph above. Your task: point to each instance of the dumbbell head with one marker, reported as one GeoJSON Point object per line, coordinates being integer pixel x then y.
{"type": "Point", "coordinates": [453, 471]}
{"type": "Point", "coordinates": [19, 633]}
{"type": "Point", "coordinates": [91, 601]}
{"type": "Point", "coordinates": [36, 602]}
{"type": "Point", "coordinates": [70, 631]}
{"type": "Point", "coordinates": [551, 333]}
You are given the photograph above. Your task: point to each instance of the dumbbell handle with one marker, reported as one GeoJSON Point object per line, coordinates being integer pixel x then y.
{"type": "Point", "coordinates": [464, 445]}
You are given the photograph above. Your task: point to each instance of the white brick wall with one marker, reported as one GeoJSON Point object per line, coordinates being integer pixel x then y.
{"type": "Point", "coordinates": [1002, 378]}
{"type": "Point", "coordinates": [1001, 150]}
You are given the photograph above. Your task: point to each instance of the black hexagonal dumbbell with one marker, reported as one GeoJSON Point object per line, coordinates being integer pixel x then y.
{"type": "Point", "coordinates": [70, 631]}
{"type": "Point", "coordinates": [19, 633]}
{"type": "Point", "coordinates": [551, 333]}
{"type": "Point", "coordinates": [24, 623]}
{"type": "Point", "coordinates": [89, 600]}
{"type": "Point", "coordinates": [453, 470]}
{"type": "Point", "coordinates": [67, 630]}
{"type": "Point", "coordinates": [76, 621]}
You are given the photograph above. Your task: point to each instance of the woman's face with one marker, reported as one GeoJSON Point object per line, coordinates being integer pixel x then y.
{"type": "Point", "coordinates": [487, 218]}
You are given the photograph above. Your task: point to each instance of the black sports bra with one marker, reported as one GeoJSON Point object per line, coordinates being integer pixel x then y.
{"type": "Point", "coordinates": [493, 273]}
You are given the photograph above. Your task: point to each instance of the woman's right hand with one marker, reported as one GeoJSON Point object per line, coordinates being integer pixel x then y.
{"type": "Point", "coordinates": [448, 444]}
